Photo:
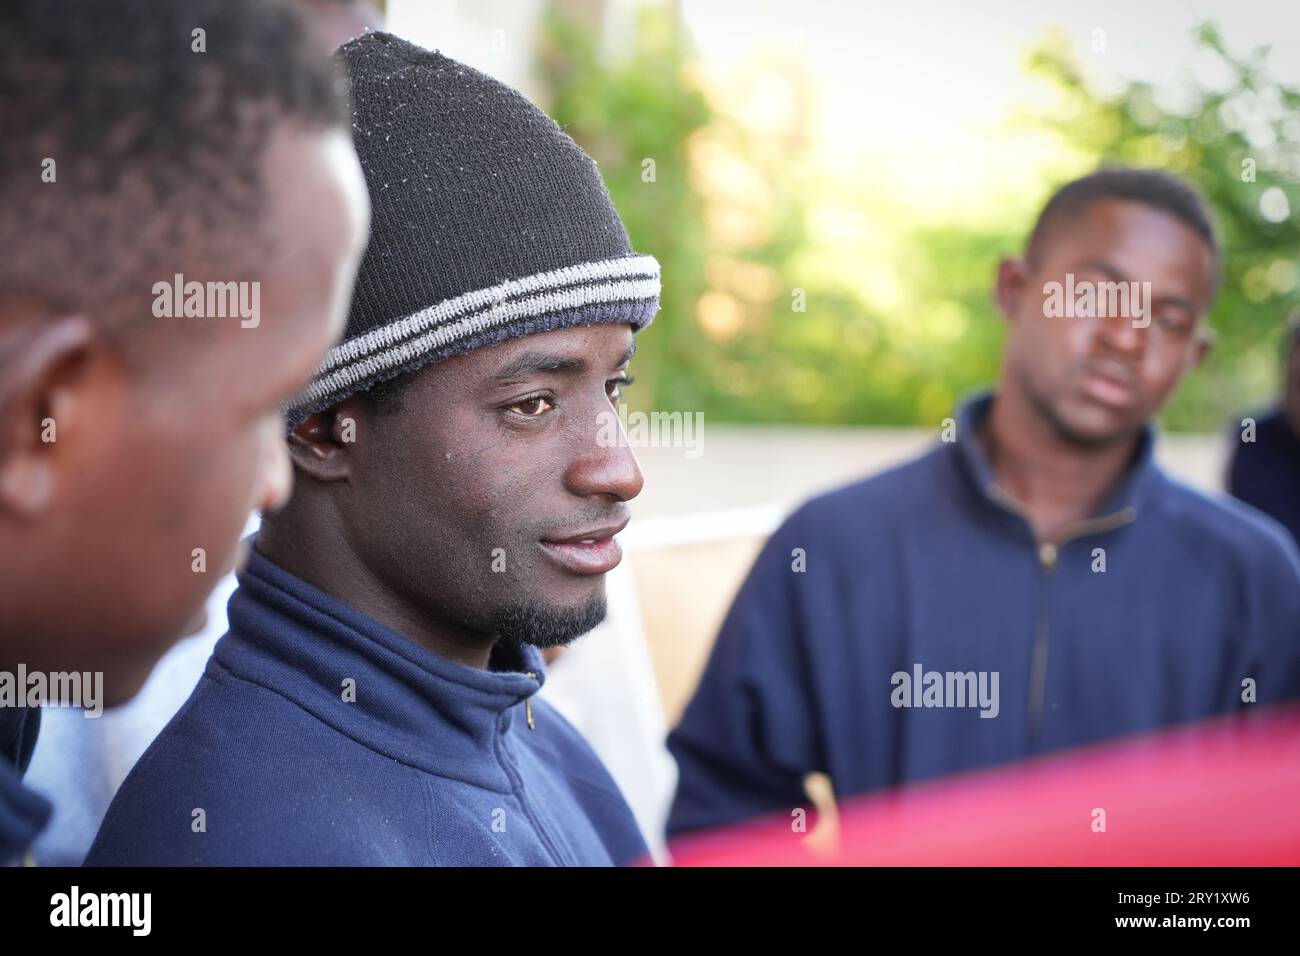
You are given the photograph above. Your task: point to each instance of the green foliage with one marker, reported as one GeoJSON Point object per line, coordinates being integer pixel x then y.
{"type": "Point", "coordinates": [847, 361]}
{"type": "Point", "coordinates": [624, 114]}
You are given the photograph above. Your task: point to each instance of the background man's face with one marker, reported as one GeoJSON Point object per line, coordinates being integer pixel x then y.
{"type": "Point", "coordinates": [183, 448]}
{"type": "Point", "coordinates": [1097, 380]}
{"type": "Point", "coordinates": [470, 502]}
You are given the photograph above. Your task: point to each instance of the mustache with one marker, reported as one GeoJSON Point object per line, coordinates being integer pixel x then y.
{"type": "Point", "coordinates": [589, 520]}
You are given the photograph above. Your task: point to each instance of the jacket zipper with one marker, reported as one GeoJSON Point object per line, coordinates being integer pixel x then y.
{"type": "Point", "coordinates": [543, 834]}
{"type": "Point", "coordinates": [528, 706]}
{"type": "Point", "coordinates": [1049, 553]}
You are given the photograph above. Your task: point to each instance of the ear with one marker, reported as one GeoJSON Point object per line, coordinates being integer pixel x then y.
{"type": "Point", "coordinates": [1013, 278]}
{"type": "Point", "coordinates": [1201, 347]}
{"type": "Point", "coordinates": [323, 443]}
{"type": "Point", "coordinates": [43, 383]}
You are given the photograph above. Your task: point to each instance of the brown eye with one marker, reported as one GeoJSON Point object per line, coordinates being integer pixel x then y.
{"type": "Point", "coordinates": [533, 407]}
{"type": "Point", "coordinates": [1172, 325]}
{"type": "Point", "coordinates": [614, 387]}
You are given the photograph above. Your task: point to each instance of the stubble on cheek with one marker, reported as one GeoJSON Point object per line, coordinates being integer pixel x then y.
{"type": "Point", "coordinates": [486, 529]}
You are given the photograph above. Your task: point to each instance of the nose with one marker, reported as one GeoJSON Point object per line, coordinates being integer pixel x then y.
{"type": "Point", "coordinates": [603, 463]}
{"type": "Point", "coordinates": [275, 472]}
{"type": "Point", "coordinates": [1118, 334]}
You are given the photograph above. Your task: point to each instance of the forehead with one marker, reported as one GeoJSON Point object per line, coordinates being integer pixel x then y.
{"type": "Point", "coordinates": [316, 195]}
{"type": "Point", "coordinates": [593, 348]}
{"type": "Point", "coordinates": [1141, 241]}
{"type": "Point", "coordinates": [316, 223]}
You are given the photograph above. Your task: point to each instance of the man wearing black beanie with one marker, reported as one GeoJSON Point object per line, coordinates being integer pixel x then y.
{"type": "Point", "coordinates": [456, 506]}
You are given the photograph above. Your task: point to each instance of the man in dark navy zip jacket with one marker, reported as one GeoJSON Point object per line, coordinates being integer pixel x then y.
{"type": "Point", "coordinates": [318, 736]}
{"type": "Point", "coordinates": [1033, 583]}
{"type": "Point", "coordinates": [458, 491]}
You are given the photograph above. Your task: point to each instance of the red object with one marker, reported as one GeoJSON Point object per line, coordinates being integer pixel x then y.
{"type": "Point", "coordinates": [1220, 793]}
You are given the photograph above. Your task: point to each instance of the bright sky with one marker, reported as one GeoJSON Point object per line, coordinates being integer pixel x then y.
{"type": "Point", "coordinates": [914, 105]}
{"type": "Point", "coordinates": [921, 93]}
{"type": "Point", "coordinates": [913, 99]}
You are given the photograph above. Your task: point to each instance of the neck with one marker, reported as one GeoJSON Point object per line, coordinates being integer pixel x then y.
{"type": "Point", "coordinates": [325, 559]}
{"type": "Point", "coordinates": [1057, 482]}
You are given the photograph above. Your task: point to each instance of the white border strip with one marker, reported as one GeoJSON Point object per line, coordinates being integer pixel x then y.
{"type": "Point", "coordinates": [394, 332]}
{"type": "Point", "coordinates": [642, 290]}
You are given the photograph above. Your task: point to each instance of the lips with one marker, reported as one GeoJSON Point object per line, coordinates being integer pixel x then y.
{"type": "Point", "coordinates": [1110, 383]}
{"type": "Point", "coordinates": [592, 551]}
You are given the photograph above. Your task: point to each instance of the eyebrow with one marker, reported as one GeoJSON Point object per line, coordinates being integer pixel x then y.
{"type": "Point", "coordinates": [1100, 265]}
{"type": "Point", "coordinates": [1177, 301]}
{"type": "Point", "coordinates": [534, 363]}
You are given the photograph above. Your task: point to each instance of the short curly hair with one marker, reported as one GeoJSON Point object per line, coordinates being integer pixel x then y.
{"type": "Point", "coordinates": [1150, 187]}
{"type": "Point", "coordinates": [157, 136]}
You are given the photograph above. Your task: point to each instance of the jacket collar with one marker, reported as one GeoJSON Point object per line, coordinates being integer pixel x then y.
{"type": "Point", "coordinates": [1136, 492]}
{"type": "Point", "coordinates": [409, 704]}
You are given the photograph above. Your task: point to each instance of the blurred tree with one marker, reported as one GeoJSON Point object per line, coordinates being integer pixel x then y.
{"type": "Point", "coordinates": [635, 117]}
{"type": "Point", "coordinates": [760, 325]}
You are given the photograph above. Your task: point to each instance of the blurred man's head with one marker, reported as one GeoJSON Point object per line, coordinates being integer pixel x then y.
{"type": "Point", "coordinates": [183, 215]}
{"type": "Point", "coordinates": [1107, 308]}
{"type": "Point", "coordinates": [335, 22]}
{"type": "Point", "coordinates": [461, 470]}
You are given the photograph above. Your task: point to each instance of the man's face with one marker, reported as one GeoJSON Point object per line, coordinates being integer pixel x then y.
{"type": "Point", "coordinates": [164, 462]}
{"type": "Point", "coordinates": [1096, 379]}
{"type": "Point", "coordinates": [470, 504]}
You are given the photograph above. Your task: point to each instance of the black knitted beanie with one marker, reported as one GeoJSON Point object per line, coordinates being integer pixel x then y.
{"type": "Point", "coordinates": [487, 223]}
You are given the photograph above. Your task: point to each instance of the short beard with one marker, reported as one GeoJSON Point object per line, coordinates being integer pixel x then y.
{"type": "Point", "coordinates": [1047, 411]}
{"type": "Point", "coordinates": [543, 626]}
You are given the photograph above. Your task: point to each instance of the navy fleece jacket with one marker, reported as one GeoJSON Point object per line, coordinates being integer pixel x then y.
{"type": "Point", "coordinates": [24, 813]}
{"type": "Point", "coordinates": [318, 736]}
{"type": "Point", "coordinates": [1265, 472]}
{"type": "Point", "coordinates": [931, 567]}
